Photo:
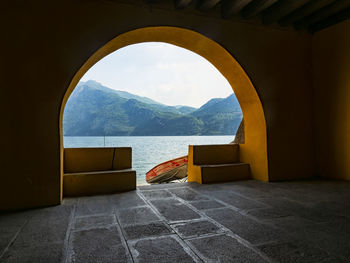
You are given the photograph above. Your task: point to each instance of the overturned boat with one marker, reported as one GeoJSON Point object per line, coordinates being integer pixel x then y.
{"type": "Point", "coordinates": [168, 171]}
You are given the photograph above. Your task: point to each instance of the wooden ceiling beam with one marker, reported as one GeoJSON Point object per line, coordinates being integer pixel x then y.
{"type": "Point", "coordinates": [256, 7]}
{"type": "Point", "coordinates": [304, 11]}
{"type": "Point", "coordinates": [281, 9]}
{"type": "Point", "coordinates": [179, 4]}
{"type": "Point", "coordinates": [330, 21]}
{"type": "Point", "coordinates": [233, 7]}
{"type": "Point", "coordinates": [205, 5]}
{"type": "Point", "coordinates": [322, 14]}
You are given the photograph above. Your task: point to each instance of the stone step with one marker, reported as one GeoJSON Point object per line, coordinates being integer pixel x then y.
{"type": "Point", "coordinates": [224, 172]}
{"type": "Point", "coordinates": [215, 154]}
{"type": "Point", "coordinates": [98, 182]}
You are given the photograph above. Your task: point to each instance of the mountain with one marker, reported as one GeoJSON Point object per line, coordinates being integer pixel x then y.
{"type": "Point", "coordinates": [220, 116]}
{"type": "Point", "coordinates": [218, 106]}
{"type": "Point", "coordinates": [96, 110]}
{"type": "Point", "coordinates": [128, 95]}
{"type": "Point", "coordinates": [185, 109]}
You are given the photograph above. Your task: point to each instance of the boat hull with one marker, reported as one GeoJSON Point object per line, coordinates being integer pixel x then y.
{"type": "Point", "coordinates": [168, 171]}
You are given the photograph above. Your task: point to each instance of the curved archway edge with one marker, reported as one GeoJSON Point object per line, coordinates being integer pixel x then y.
{"type": "Point", "coordinates": [254, 150]}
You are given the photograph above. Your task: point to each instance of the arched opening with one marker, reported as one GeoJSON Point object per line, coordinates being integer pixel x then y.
{"type": "Point", "coordinates": [254, 150]}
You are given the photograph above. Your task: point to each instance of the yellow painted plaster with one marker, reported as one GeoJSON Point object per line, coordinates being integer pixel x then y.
{"type": "Point", "coordinates": [254, 151]}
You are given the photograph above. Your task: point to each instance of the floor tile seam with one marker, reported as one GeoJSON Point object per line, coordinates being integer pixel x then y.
{"type": "Point", "coordinates": [160, 188]}
{"type": "Point", "coordinates": [67, 240]}
{"type": "Point", "coordinates": [165, 220]}
{"type": "Point", "coordinates": [130, 208]}
{"type": "Point", "coordinates": [167, 225]}
{"type": "Point", "coordinates": [241, 240]}
{"type": "Point", "coordinates": [187, 204]}
{"type": "Point", "coordinates": [235, 237]}
{"type": "Point", "coordinates": [248, 211]}
{"type": "Point", "coordinates": [248, 198]}
{"type": "Point", "coordinates": [235, 209]}
{"type": "Point", "coordinates": [159, 198]}
{"type": "Point", "coordinates": [256, 209]}
{"type": "Point", "coordinates": [188, 250]}
{"type": "Point", "coordinates": [88, 205]}
{"type": "Point", "coordinates": [179, 198]}
{"type": "Point", "coordinates": [227, 206]}
{"type": "Point", "coordinates": [15, 237]}
{"type": "Point", "coordinates": [153, 208]}
{"type": "Point", "coordinates": [134, 240]}
{"type": "Point", "coordinates": [93, 215]}
{"type": "Point", "coordinates": [116, 206]}
{"type": "Point", "coordinates": [219, 232]}
{"type": "Point", "coordinates": [272, 242]}
{"type": "Point", "coordinates": [195, 220]}
{"type": "Point", "coordinates": [265, 221]}
{"type": "Point", "coordinates": [213, 209]}
{"type": "Point", "coordinates": [221, 202]}
{"type": "Point", "coordinates": [225, 229]}
{"type": "Point", "coordinates": [75, 230]}
{"type": "Point", "coordinates": [193, 200]}
{"type": "Point", "coordinates": [206, 236]}
{"type": "Point", "coordinates": [141, 224]}
{"type": "Point", "coordinates": [202, 200]}
{"type": "Point", "coordinates": [269, 221]}
{"type": "Point", "coordinates": [123, 238]}
{"type": "Point", "coordinates": [171, 232]}
{"type": "Point", "coordinates": [186, 247]}
{"type": "Point", "coordinates": [251, 247]}
{"type": "Point", "coordinates": [150, 191]}
{"type": "Point", "coordinates": [210, 198]}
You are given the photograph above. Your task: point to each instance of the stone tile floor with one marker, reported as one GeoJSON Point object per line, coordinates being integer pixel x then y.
{"type": "Point", "coordinates": [245, 221]}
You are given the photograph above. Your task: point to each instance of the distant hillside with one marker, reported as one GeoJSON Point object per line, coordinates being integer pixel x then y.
{"type": "Point", "coordinates": [95, 110]}
{"type": "Point", "coordinates": [185, 109]}
{"type": "Point", "coordinates": [218, 106]}
{"type": "Point", "coordinates": [220, 116]}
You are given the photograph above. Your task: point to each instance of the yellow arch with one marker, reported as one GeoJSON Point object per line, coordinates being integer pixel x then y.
{"type": "Point", "coordinates": [254, 150]}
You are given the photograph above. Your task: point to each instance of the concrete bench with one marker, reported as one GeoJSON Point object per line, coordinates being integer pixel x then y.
{"type": "Point", "coordinates": [216, 163]}
{"type": "Point", "coordinates": [89, 171]}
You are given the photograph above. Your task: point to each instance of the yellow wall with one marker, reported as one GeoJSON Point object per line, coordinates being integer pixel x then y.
{"type": "Point", "coordinates": [45, 43]}
{"type": "Point", "coordinates": [331, 53]}
{"type": "Point", "coordinates": [254, 151]}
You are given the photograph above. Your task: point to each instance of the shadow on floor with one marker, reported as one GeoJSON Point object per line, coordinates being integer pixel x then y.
{"type": "Point", "coordinates": [245, 221]}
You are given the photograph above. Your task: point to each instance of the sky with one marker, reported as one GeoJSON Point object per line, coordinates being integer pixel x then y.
{"type": "Point", "coordinates": [163, 72]}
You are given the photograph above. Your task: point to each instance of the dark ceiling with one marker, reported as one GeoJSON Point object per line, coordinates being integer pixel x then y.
{"type": "Point", "coordinates": [311, 15]}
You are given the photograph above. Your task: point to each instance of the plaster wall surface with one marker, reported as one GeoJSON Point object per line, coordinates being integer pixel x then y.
{"type": "Point", "coordinates": [331, 59]}
{"type": "Point", "coordinates": [44, 43]}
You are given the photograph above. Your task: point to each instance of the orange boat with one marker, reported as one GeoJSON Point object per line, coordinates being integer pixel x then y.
{"type": "Point", "coordinates": [168, 171]}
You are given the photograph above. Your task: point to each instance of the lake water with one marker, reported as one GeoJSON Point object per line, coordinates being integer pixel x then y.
{"type": "Point", "coordinates": [147, 151]}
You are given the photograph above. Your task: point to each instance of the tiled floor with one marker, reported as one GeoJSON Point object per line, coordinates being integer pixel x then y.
{"type": "Point", "coordinates": [246, 221]}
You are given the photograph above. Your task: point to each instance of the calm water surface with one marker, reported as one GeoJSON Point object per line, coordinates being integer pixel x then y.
{"type": "Point", "coordinates": [147, 151]}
